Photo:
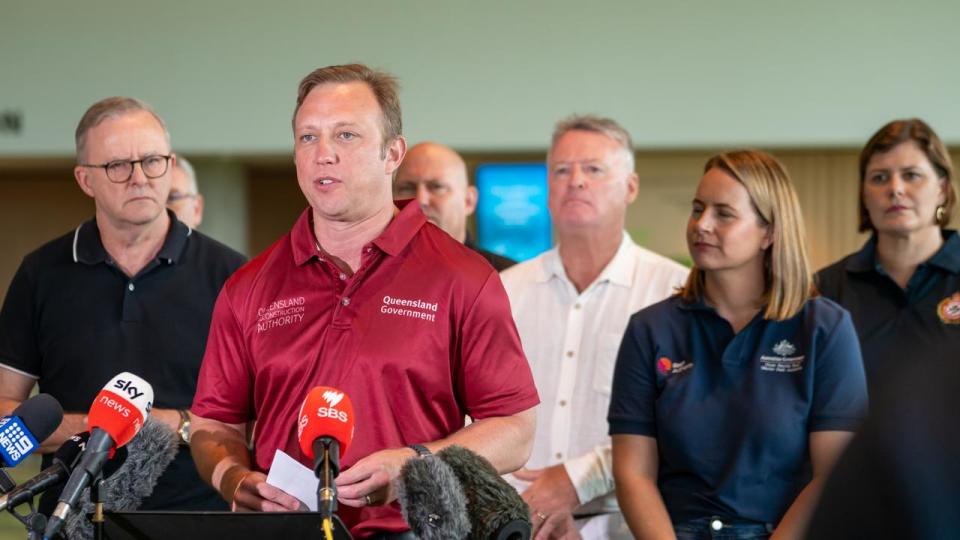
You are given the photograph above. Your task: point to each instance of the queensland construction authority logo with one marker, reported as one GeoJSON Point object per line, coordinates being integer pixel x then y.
{"type": "Point", "coordinates": [784, 359]}
{"type": "Point", "coordinates": [281, 312]}
{"type": "Point", "coordinates": [414, 308]}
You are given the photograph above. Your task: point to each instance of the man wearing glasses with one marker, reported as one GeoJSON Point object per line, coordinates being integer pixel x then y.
{"type": "Point", "coordinates": [185, 199]}
{"type": "Point", "coordinates": [130, 290]}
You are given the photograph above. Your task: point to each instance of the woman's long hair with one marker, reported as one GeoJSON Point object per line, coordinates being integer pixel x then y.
{"type": "Point", "coordinates": [788, 281]}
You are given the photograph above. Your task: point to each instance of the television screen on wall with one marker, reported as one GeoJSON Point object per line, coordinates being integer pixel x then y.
{"type": "Point", "coordinates": [512, 216]}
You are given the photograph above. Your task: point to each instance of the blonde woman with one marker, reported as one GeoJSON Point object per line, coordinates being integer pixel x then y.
{"type": "Point", "coordinates": [903, 287]}
{"type": "Point", "coordinates": [732, 399]}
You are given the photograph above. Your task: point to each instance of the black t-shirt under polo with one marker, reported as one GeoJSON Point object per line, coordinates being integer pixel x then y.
{"type": "Point", "coordinates": [73, 320]}
{"type": "Point", "coordinates": [497, 261]}
{"type": "Point", "coordinates": [918, 326]}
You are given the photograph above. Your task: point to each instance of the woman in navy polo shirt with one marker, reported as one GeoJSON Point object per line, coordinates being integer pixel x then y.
{"type": "Point", "coordinates": [903, 287]}
{"type": "Point", "coordinates": [732, 399]}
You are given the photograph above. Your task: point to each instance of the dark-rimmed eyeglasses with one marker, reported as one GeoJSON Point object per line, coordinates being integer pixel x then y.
{"type": "Point", "coordinates": [121, 170]}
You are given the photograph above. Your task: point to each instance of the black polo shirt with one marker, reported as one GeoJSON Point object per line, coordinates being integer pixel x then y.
{"type": "Point", "coordinates": [918, 326]}
{"type": "Point", "coordinates": [72, 319]}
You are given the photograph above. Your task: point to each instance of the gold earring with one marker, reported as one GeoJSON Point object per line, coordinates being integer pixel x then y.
{"type": "Point", "coordinates": [941, 213]}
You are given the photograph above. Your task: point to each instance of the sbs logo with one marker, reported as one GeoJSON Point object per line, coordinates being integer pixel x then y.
{"type": "Point", "coordinates": [332, 397]}
{"type": "Point", "coordinates": [301, 425]}
{"type": "Point", "coordinates": [330, 412]}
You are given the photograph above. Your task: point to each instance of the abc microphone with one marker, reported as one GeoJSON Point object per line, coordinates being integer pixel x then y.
{"type": "Point", "coordinates": [116, 415]}
{"type": "Point", "coordinates": [325, 430]}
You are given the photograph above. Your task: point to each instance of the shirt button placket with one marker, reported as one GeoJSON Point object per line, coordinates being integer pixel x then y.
{"type": "Point", "coordinates": [563, 413]}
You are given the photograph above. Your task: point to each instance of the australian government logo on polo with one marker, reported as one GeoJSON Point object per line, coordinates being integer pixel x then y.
{"type": "Point", "coordinates": [281, 312]}
{"type": "Point", "coordinates": [783, 360]}
{"type": "Point", "coordinates": [414, 308]}
{"type": "Point", "coordinates": [949, 309]}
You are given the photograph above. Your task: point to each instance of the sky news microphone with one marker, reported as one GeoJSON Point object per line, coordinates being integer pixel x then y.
{"type": "Point", "coordinates": [325, 430]}
{"type": "Point", "coordinates": [496, 510]}
{"type": "Point", "coordinates": [30, 424]}
{"type": "Point", "coordinates": [116, 415]}
{"type": "Point", "coordinates": [65, 460]}
{"type": "Point", "coordinates": [432, 500]}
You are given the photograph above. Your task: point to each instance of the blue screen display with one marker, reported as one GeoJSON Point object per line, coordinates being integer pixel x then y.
{"type": "Point", "coordinates": [512, 216]}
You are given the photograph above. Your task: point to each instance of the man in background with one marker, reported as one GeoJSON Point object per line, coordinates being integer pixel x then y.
{"type": "Point", "coordinates": [571, 305]}
{"type": "Point", "coordinates": [132, 290]}
{"type": "Point", "coordinates": [185, 199]}
{"type": "Point", "coordinates": [436, 177]}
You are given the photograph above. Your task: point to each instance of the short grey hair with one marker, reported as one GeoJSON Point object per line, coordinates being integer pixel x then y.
{"type": "Point", "coordinates": [187, 169]}
{"type": "Point", "coordinates": [595, 124]}
{"type": "Point", "coordinates": [110, 107]}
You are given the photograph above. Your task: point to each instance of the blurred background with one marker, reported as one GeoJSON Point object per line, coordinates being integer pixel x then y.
{"type": "Point", "coordinates": [808, 81]}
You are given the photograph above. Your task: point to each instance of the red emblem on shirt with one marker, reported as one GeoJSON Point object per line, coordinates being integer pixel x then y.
{"type": "Point", "coordinates": [949, 309]}
{"type": "Point", "coordinates": [664, 365]}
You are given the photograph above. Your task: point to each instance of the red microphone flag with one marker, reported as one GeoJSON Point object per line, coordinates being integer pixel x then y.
{"type": "Point", "coordinates": [326, 412]}
{"type": "Point", "coordinates": [121, 408]}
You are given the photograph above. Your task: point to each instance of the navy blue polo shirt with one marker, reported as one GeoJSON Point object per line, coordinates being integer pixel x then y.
{"type": "Point", "coordinates": [918, 326]}
{"type": "Point", "coordinates": [72, 319]}
{"type": "Point", "coordinates": [732, 413]}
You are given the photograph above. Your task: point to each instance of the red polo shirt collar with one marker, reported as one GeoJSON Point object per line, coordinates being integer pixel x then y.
{"type": "Point", "coordinates": [399, 232]}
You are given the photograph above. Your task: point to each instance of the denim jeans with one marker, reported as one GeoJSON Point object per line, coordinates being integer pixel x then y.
{"type": "Point", "coordinates": [719, 528]}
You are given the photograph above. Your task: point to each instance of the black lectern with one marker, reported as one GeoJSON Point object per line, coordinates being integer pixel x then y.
{"type": "Point", "coordinates": [207, 525]}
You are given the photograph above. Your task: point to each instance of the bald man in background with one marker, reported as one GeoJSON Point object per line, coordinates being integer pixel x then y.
{"type": "Point", "coordinates": [185, 199]}
{"type": "Point", "coordinates": [436, 176]}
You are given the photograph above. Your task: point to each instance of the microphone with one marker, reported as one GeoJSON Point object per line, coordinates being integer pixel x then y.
{"type": "Point", "coordinates": [150, 452]}
{"type": "Point", "coordinates": [325, 430]}
{"type": "Point", "coordinates": [116, 415]}
{"type": "Point", "coordinates": [495, 508]}
{"type": "Point", "coordinates": [31, 422]}
{"type": "Point", "coordinates": [64, 461]}
{"type": "Point", "coordinates": [432, 500]}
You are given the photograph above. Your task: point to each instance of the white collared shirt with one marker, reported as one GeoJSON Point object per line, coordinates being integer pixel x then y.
{"type": "Point", "coordinates": [571, 341]}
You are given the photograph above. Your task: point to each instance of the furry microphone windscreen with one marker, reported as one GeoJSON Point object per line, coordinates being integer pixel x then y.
{"type": "Point", "coordinates": [149, 454]}
{"type": "Point", "coordinates": [495, 508]}
{"type": "Point", "coordinates": [432, 501]}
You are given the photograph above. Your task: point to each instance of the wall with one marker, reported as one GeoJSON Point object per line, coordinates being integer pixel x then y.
{"type": "Point", "coordinates": [490, 75]}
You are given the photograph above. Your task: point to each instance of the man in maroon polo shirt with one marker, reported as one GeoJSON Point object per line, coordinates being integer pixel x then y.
{"type": "Point", "coordinates": [369, 298]}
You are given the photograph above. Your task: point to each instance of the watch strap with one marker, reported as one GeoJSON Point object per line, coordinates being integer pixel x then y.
{"type": "Point", "coordinates": [421, 450]}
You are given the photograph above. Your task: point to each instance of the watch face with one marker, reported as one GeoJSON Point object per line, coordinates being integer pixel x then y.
{"type": "Point", "coordinates": [184, 430]}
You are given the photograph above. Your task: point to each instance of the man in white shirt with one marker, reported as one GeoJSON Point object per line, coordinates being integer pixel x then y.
{"type": "Point", "coordinates": [571, 305]}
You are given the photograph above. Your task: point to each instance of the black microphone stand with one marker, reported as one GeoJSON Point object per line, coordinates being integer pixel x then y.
{"type": "Point", "coordinates": [326, 451]}
{"type": "Point", "coordinates": [6, 483]}
{"type": "Point", "coordinates": [97, 518]}
{"type": "Point", "coordinates": [35, 522]}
